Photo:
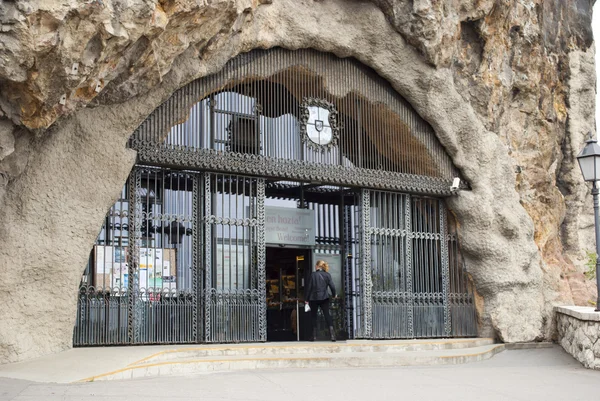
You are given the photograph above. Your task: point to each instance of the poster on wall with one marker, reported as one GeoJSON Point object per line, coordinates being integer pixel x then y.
{"type": "Point", "coordinates": [289, 226]}
{"type": "Point", "coordinates": [335, 268]}
{"type": "Point", "coordinates": [110, 266]}
{"type": "Point", "coordinates": [232, 267]}
{"type": "Point", "coordinates": [157, 268]}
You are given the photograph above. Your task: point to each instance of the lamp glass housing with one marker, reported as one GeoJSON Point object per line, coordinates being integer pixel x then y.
{"type": "Point", "coordinates": [588, 168]}
{"type": "Point", "coordinates": [589, 161]}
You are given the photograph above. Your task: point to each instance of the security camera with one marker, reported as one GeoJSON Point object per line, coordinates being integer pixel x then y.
{"type": "Point", "coordinates": [455, 184]}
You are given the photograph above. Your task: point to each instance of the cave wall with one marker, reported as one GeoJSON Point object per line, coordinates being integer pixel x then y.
{"type": "Point", "coordinates": [507, 85]}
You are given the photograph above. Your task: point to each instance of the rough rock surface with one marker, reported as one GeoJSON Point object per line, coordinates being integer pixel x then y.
{"type": "Point", "coordinates": [580, 338]}
{"type": "Point", "coordinates": [506, 84]}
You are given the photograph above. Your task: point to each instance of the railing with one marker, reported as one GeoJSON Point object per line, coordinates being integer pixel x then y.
{"type": "Point", "coordinates": [234, 316]}
{"type": "Point", "coordinates": [164, 316]}
{"type": "Point", "coordinates": [391, 315]}
{"type": "Point", "coordinates": [101, 317]}
{"type": "Point", "coordinates": [464, 317]}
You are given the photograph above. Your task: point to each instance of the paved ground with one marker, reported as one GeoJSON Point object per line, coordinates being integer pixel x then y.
{"type": "Point", "coordinates": [542, 374]}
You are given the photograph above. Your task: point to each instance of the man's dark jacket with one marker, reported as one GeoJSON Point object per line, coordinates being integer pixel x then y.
{"type": "Point", "coordinates": [316, 290]}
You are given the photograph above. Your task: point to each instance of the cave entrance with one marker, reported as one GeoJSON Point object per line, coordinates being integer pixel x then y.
{"type": "Point", "coordinates": [355, 174]}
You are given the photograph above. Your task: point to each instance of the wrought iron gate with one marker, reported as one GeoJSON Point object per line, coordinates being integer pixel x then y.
{"type": "Point", "coordinates": [142, 280]}
{"type": "Point", "coordinates": [235, 295]}
{"type": "Point", "coordinates": [181, 255]}
{"type": "Point", "coordinates": [412, 282]}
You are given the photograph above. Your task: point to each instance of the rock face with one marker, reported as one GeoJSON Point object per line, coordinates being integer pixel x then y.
{"type": "Point", "coordinates": [507, 85]}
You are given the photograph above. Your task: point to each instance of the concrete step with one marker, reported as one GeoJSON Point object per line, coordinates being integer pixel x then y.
{"type": "Point", "coordinates": [310, 348]}
{"type": "Point", "coordinates": [189, 364]}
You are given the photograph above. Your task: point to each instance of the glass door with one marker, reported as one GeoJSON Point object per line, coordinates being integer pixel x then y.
{"type": "Point", "coordinates": [286, 319]}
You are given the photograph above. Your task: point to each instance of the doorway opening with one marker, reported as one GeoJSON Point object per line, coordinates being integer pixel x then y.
{"type": "Point", "coordinates": [287, 271]}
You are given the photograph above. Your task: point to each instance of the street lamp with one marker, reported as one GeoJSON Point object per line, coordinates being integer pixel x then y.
{"type": "Point", "coordinates": [589, 162]}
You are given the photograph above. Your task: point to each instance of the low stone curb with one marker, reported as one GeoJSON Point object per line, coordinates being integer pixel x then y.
{"type": "Point", "coordinates": [312, 348]}
{"type": "Point", "coordinates": [366, 360]}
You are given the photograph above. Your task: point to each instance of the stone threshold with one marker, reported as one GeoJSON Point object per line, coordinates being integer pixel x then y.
{"type": "Point", "coordinates": [585, 313]}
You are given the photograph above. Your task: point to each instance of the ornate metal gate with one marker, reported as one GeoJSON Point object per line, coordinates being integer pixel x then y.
{"type": "Point", "coordinates": [412, 282]}
{"type": "Point", "coordinates": [142, 280]}
{"type": "Point", "coordinates": [235, 295]}
{"type": "Point", "coordinates": [181, 255]}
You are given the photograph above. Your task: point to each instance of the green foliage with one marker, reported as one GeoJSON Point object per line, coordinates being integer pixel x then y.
{"type": "Point", "coordinates": [590, 263]}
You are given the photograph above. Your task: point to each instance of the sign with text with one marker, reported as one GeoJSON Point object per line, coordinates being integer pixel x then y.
{"type": "Point", "coordinates": [289, 226]}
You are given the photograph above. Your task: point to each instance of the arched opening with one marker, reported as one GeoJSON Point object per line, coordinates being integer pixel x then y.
{"type": "Point", "coordinates": [244, 179]}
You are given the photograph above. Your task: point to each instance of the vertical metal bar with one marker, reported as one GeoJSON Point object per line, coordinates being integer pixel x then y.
{"type": "Point", "coordinates": [366, 283]}
{"type": "Point", "coordinates": [427, 217]}
{"type": "Point", "coordinates": [343, 235]}
{"type": "Point", "coordinates": [276, 122]}
{"type": "Point", "coordinates": [444, 257]}
{"type": "Point", "coordinates": [236, 247]}
{"type": "Point", "coordinates": [212, 123]}
{"type": "Point", "coordinates": [262, 294]}
{"type": "Point", "coordinates": [403, 136]}
{"type": "Point", "coordinates": [384, 129]}
{"type": "Point", "coordinates": [410, 142]}
{"type": "Point", "coordinates": [393, 130]}
{"type": "Point", "coordinates": [369, 126]}
{"type": "Point", "coordinates": [220, 242]}
{"type": "Point", "coordinates": [354, 99]}
{"type": "Point", "coordinates": [262, 119]}
{"type": "Point", "coordinates": [297, 296]}
{"type": "Point", "coordinates": [231, 196]}
{"type": "Point", "coordinates": [387, 223]}
{"type": "Point", "coordinates": [196, 254]}
{"type": "Point", "coordinates": [134, 245]}
{"type": "Point", "coordinates": [288, 108]}
{"type": "Point", "coordinates": [330, 221]}
{"type": "Point", "coordinates": [208, 290]}
{"type": "Point", "coordinates": [409, 263]}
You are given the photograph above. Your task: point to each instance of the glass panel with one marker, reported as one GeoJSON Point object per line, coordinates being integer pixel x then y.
{"type": "Point", "coordinates": [234, 237]}
{"type": "Point", "coordinates": [165, 257]}
{"type": "Point", "coordinates": [587, 165]}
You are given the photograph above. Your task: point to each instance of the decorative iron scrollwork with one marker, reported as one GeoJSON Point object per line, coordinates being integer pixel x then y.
{"type": "Point", "coordinates": [196, 241]}
{"type": "Point", "coordinates": [445, 270]}
{"type": "Point", "coordinates": [366, 281]}
{"type": "Point", "coordinates": [409, 266]}
{"type": "Point", "coordinates": [261, 259]}
{"type": "Point", "coordinates": [207, 257]}
{"type": "Point", "coordinates": [244, 163]}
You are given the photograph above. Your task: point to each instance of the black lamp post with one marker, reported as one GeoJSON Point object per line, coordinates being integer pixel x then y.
{"type": "Point", "coordinates": [589, 162]}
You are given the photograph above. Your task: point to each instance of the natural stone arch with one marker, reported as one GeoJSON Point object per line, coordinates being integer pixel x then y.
{"type": "Point", "coordinates": [496, 233]}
